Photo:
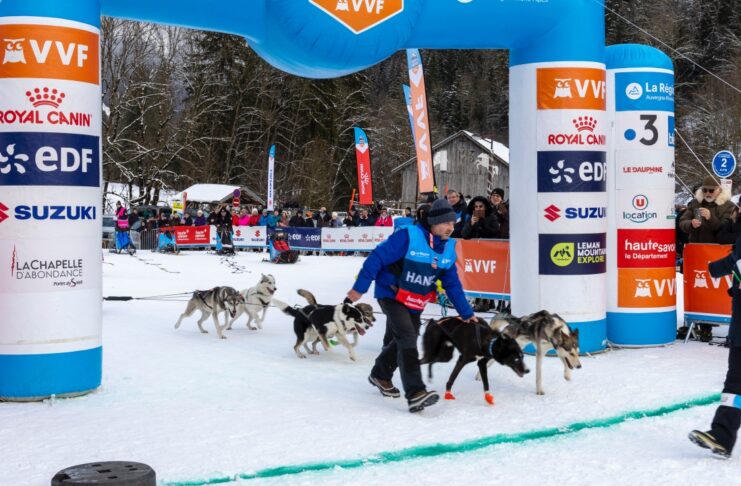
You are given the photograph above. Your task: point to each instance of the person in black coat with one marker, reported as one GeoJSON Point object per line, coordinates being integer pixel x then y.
{"type": "Point", "coordinates": [729, 230]}
{"type": "Point", "coordinates": [723, 432]}
{"type": "Point", "coordinates": [481, 221]}
{"type": "Point", "coordinates": [459, 206]}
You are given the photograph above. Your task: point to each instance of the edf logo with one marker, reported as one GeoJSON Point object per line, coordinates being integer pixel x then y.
{"type": "Point", "coordinates": [49, 159]}
{"type": "Point", "coordinates": [562, 171]}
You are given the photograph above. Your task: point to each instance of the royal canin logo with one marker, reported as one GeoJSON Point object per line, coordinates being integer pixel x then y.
{"type": "Point", "coordinates": [584, 123]}
{"type": "Point", "coordinates": [45, 96]}
{"type": "Point", "coordinates": [552, 212]}
{"type": "Point", "coordinates": [3, 214]}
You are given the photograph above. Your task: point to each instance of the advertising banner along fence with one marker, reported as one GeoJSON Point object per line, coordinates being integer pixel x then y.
{"type": "Point", "coordinates": [705, 298]}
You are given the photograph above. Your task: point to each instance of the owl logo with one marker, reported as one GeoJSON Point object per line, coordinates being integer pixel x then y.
{"type": "Point", "coordinates": [342, 6]}
{"type": "Point", "coordinates": [563, 88]}
{"type": "Point", "coordinates": [14, 51]}
{"type": "Point", "coordinates": [700, 281]}
{"type": "Point", "coordinates": [642, 288]}
{"type": "Point", "coordinates": [468, 265]}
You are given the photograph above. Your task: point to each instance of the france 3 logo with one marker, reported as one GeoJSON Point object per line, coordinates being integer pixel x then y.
{"type": "Point", "coordinates": [49, 159]}
{"type": "Point", "coordinates": [564, 171]}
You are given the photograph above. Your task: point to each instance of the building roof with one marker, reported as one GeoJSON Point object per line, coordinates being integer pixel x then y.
{"type": "Point", "coordinates": [216, 192]}
{"type": "Point", "coordinates": [492, 147]}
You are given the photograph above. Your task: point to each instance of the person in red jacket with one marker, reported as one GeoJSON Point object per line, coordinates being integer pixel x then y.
{"type": "Point", "coordinates": [384, 219]}
{"type": "Point", "coordinates": [255, 218]}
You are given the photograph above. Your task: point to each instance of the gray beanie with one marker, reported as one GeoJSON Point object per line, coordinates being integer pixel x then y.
{"type": "Point", "coordinates": [440, 212]}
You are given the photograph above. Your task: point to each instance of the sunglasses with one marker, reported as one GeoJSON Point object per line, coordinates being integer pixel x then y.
{"type": "Point", "coordinates": [708, 190]}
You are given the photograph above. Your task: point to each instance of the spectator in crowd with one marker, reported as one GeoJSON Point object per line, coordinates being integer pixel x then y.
{"type": "Point", "coordinates": [322, 218]}
{"type": "Point", "coordinates": [254, 218]}
{"type": "Point", "coordinates": [122, 218]}
{"type": "Point", "coordinates": [334, 220]}
{"type": "Point", "coordinates": [187, 219]}
{"type": "Point", "coordinates": [134, 221]}
{"type": "Point", "coordinates": [200, 219]}
{"type": "Point", "coordinates": [224, 219]}
{"type": "Point", "coordinates": [679, 235]}
{"type": "Point", "coordinates": [459, 206]}
{"type": "Point", "coordinates": [235, 216]}
{"type": "Point", "coordinates": [351, 219]}
{"type": "Point", "coordinates": [408, 212]}
{"type": "Point", "coordinates": [297, 220]}
{"type": "Point", "coordinates": [244, 217]}
{"type": "Point", "coordinates": [175, 219]}
{"type": "Point", "coordinates": [364, 219]}
{"type": "Point", "coordinates": [482, 222]}
{"type": "Point", "coordinates": [263, 218]}
{"type": "Point", "coordinates": [213, 215]}
{"type": "Point", "coordinates": [731, 229]}
{"type": "Point", "coordinates": [501, 211]}
{"type": "Point", "coordinates": [164, 221]}
{"type": "Point", "coordinates": [707, 213]}
{"type": "Point", "coordinates": [421, 213]}
{"type": "Point", "coordinates": [309, 221]}
{"type": "Point", "coordinates": [283, 222]}
{"type": "Point", "coordinates": [384, 219]}
{"type": "Point", "coordinates": [272, 220]}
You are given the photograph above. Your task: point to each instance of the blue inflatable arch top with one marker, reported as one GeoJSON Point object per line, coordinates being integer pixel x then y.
{"type": "Point", "coordinates": [298, 37]}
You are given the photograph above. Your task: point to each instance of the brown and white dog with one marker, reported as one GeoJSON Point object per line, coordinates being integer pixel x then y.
{"type": "Point", "coordinates": [545, 331]}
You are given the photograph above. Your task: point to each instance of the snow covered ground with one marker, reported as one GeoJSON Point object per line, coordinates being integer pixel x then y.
{"type": "Point", "coordinates": [195, 407]}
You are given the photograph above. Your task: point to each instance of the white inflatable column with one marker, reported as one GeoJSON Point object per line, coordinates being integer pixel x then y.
{"type": "Point", "coordinates": [641, 272]}
{"type": "Point", "coordinates": [558, 205]}
{"type": "Point", "coordinates": [50, 221]}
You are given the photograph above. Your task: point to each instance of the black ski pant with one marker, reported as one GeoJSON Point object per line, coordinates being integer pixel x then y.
{"type": "Point", "coordinates": [400, 347]}
{"type": "Point", "coordinates": [728, 419]}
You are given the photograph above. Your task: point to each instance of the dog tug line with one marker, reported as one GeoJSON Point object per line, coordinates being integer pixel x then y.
{"type": "Point", "coordinates": [441, 449]}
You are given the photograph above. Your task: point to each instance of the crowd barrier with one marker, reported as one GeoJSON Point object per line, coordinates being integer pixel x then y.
{"type": "Point", "coordinates": [483, 265]}
{"type": "Point", "coordinates": [705, 298]}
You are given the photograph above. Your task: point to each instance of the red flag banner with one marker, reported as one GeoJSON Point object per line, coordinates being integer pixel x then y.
{"type": "Point", "coordinates": [362, 154]}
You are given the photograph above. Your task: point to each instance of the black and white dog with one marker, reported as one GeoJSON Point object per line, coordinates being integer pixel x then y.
{"type": "Point", "coordinates": [319, 323]}
{"type": "Point", "coordinates": [365, 309]}
{"type": "Point", "coordinates": [546, 331]}
{"type": "Point", "coordinates": [213, 302]}
{"type": "Point", "coordinates": [256, 299]}
{"type": "Point", "coordinates": [475, 342]}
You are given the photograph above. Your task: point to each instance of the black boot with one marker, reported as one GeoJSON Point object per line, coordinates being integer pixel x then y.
{"type": "Point", "coordinates": [707, 440]}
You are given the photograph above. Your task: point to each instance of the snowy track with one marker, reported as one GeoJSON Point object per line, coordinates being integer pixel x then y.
{"type": "Point", "coordinates": [195, 407]}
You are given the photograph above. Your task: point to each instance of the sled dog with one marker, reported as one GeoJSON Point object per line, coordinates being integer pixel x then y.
{"type": "Point", "coordinates": [214, 301]}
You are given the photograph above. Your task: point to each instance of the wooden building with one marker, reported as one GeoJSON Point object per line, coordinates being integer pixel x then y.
{"type": "Point", "coordinates": [471, 165]}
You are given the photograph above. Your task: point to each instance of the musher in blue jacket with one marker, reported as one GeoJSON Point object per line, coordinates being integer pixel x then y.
{"type": "Point", "coordinates": [406, 268]}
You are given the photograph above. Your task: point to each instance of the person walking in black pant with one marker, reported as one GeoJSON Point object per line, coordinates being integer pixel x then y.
{"type": "Point", "coordinates": [406, 268]}
{"type": "Point", "coordinates": [723, 432]}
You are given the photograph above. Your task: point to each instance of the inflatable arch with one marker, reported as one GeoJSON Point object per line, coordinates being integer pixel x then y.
{"type": "Point", "coordinates": [51, 300]}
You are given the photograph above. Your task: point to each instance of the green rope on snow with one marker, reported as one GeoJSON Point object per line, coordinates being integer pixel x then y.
{"type": "Point", "coordinates": [389, 457]}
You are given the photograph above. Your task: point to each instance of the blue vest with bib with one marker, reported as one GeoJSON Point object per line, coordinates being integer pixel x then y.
{"type": "Point", "coordinates": [421, 269]}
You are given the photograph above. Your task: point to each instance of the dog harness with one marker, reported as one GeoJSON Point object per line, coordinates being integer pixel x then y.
{"type": "Point", "coordinates": [730, 400]}
{"type": "Point", "coordinates": [422, 266]}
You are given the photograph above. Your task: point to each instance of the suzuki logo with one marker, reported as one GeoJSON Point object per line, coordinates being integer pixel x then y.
{"type": "Point", "coordinates": [552, 213]}
{"type": "Point", "coordinates": [3, 214]}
